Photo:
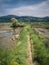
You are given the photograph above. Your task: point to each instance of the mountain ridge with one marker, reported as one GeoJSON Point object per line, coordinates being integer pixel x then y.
{"type": "Point", "coordinates": [24, 18]}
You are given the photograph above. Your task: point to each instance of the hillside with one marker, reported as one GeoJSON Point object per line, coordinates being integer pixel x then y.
{"type": "Point", "coordinates": [24, 18]}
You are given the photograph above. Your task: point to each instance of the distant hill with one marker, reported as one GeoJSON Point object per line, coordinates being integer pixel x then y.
{"type": "Point", "coordinates": [24, 18]}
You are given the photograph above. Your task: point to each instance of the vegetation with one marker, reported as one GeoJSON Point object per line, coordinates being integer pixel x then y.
{"type": "Point", "coordinates": [18, 55]}
{"type": "Point", "coordinates": [21, 48]}
{"type": "Point", "coordinates": [41, 53]}
{"type": "Point", "coordinates": [24, 18]}
{"type": "Point", "coordinates": [4, 57]}
{"type": "Point", "coordinates": [40, 25]}
{"type": "Point", "coordinates": [15, 23]}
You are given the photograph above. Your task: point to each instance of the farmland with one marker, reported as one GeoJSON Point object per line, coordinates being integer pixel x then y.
{"type": "Point", "coordinates": [27, 46]}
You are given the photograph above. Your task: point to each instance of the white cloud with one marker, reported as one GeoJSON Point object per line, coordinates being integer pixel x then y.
{"type": "Point", "coordinates": [39, 10]}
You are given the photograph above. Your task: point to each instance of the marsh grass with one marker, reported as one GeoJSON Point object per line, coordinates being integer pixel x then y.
{"type": "Point", "coordinates": [41, 54]}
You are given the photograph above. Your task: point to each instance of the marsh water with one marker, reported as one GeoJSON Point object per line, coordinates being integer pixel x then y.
{"type": "Point", "coordinates": [5, 31]}
{"type": "Point", "coordinates": [5, 36]}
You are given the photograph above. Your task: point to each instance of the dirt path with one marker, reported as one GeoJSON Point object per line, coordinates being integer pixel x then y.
{"type": "Point", "coordinates": [29, 59]}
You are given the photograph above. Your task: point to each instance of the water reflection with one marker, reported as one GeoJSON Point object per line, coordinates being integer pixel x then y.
{"type": "Point", "coordinates": [5, 34]}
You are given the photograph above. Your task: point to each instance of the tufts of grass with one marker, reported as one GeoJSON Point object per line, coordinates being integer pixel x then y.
{"type": "Point", "coordinates": [18, 55]}
{"type": "Point", "coordinates": [41, 54]}
{"type": "Point", "coordinates": [20, 50]}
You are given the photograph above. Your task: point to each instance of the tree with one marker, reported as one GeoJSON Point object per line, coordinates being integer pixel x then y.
{"type": "Point", "coordinates": [15, 23]}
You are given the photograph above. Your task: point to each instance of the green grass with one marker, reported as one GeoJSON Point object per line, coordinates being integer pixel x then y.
{"type": "Point", "coordinates": [41, 54]}
{"type": "Point", "coordinates": [18, 55]}
{"type": "Point", "coordinates": [21, 48]}
{"type": "Point", "coordinates": [5, 57]}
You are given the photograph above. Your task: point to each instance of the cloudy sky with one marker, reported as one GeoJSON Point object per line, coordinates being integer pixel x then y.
{"type": "Point", "coordinates": [38, 8]}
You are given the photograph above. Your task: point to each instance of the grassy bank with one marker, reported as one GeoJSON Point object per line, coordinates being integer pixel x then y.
{"type": "Point", "coordinates": [41, 53]}
{"type": "Point", "coordinates": [18, 54]}
{"type": "Point", "coordinates": [21, 48]}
